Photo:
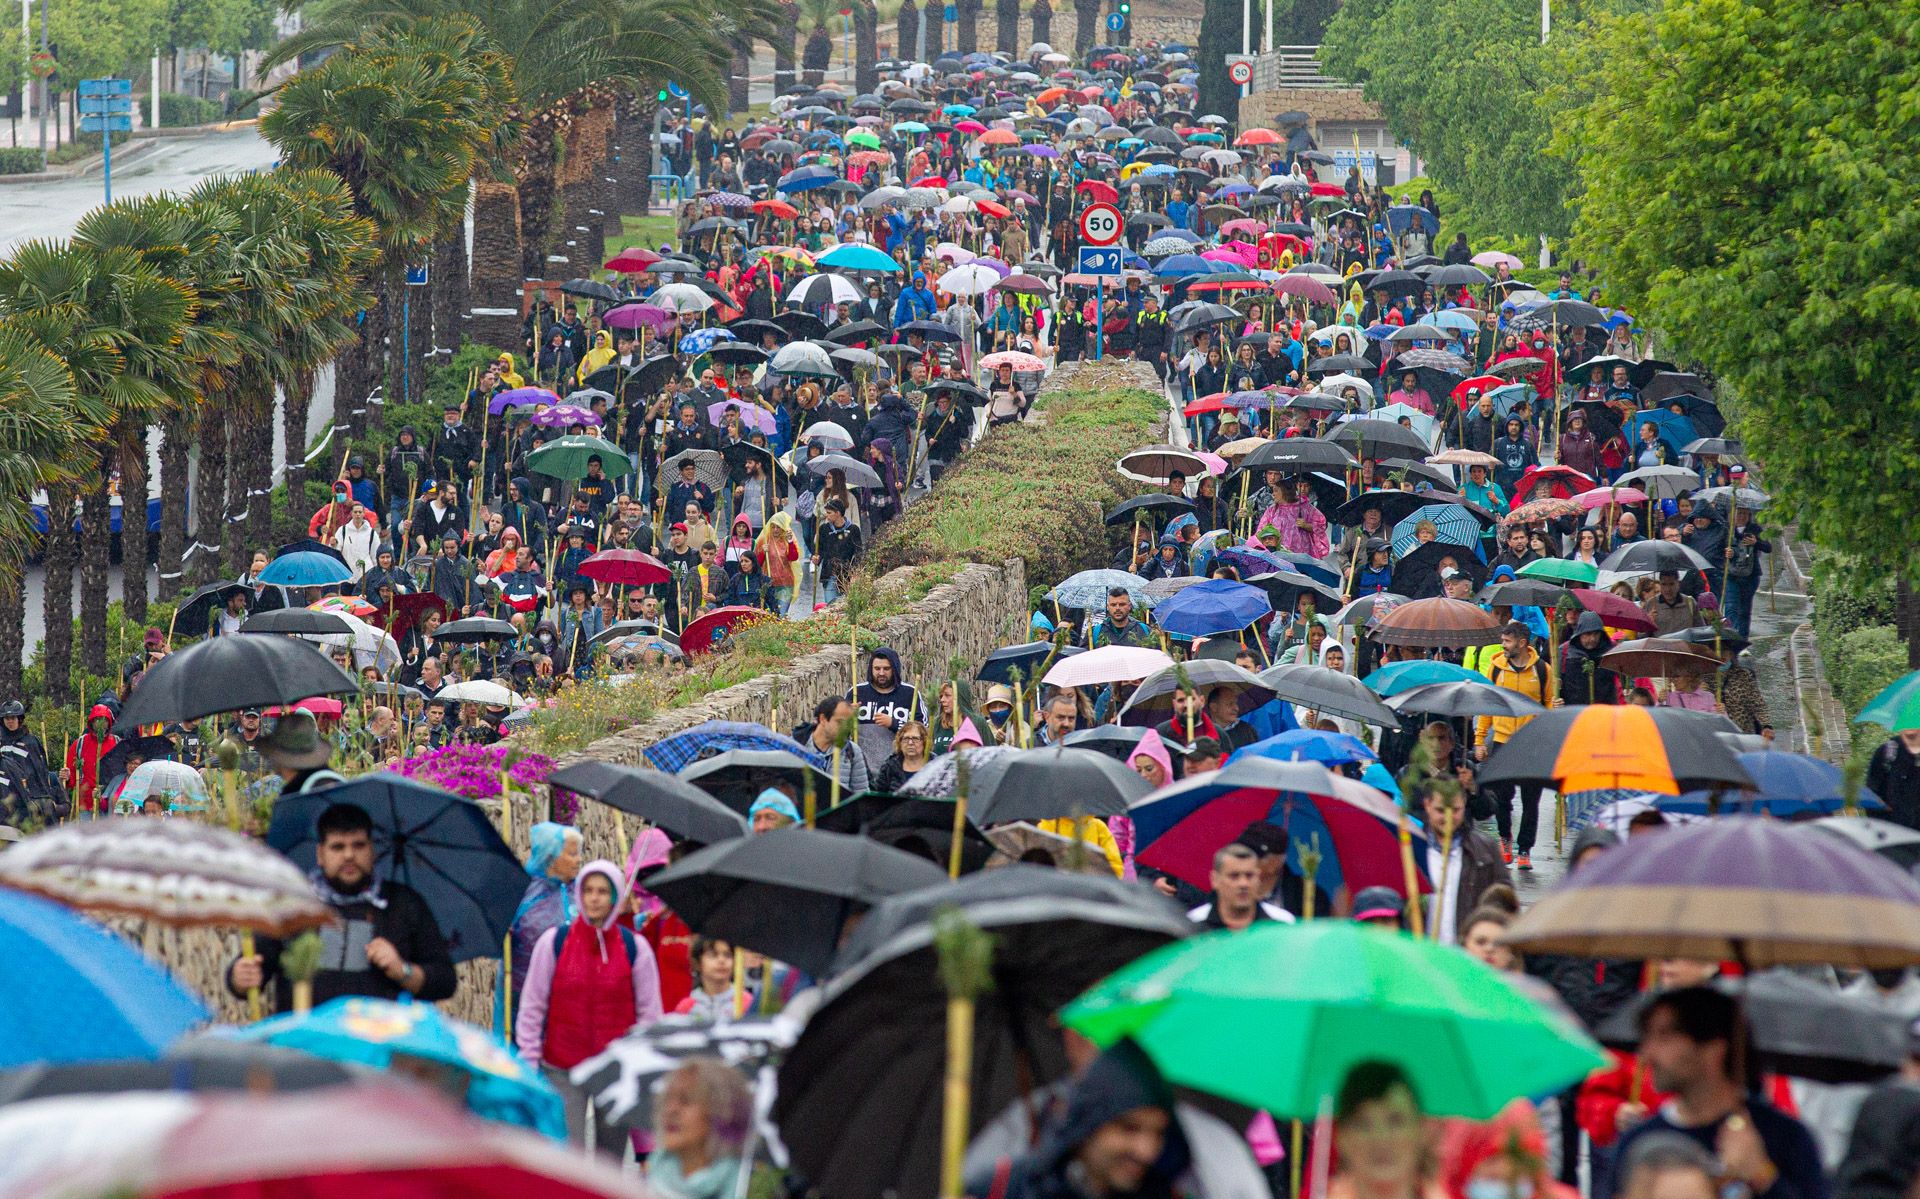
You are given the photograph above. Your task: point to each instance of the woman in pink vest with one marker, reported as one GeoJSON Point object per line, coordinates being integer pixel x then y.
{"type": "Point", "coordinates": [589, 982]}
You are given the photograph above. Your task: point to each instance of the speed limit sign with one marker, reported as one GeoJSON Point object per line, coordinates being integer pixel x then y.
{"type": "Point", "coordinates": [1240, 71]}
{"type": "Point", "coordinates": [1100, 224]}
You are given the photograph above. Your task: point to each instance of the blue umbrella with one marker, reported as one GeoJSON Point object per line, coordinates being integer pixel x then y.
{"type": "Point", "coordinates": [1746, 803]}
{"type": "Point", "coordinates": [1089, 589]}
{"type": "Point", "coordinates": [1213, 607]}
{"type": "Point", "coordinates": [1787, 785]}
{"type": "Point", "coordinates": [675, 753]}
{"type": "Point", "coordinates": [1504, 398]}
{"type": "Point", "coordinates": [1405, 676]}
{"type": "Point", "coordinates": [1675, 429]}
{"type": "Point", "coordinates": [442, 845]}
{"type": "Point", "coordinates": [1451, 319]}
{"type": "Point", "coordinates": [1308, 745]}
{"type": "Point", "coordinates": [371, 1032]}
{"type": "Point", "coordinates": [855, 257]}
{"type": "Point", "coordinates": [702, 340]}
{"type": "Point", "coordinates": [1402, 217]}
{"type": "Point", "coordinates": [910, 127]}
{"type": "Point", "coordinates": [74, 991]}
{"type": "Point", "coordinates": [1312, 567]}
{"type": "Point", "coordinates": [806, 179]}
{"type": "Point", "coordinates": [1457, 527]}
{"type": "Point", "coordinates": [305, 569]}
{"type": "Point", "coordinates": [1176, 265]}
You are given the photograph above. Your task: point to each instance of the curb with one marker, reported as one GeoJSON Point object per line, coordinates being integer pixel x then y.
{"type": "Point", "coordinates": [143, 142]}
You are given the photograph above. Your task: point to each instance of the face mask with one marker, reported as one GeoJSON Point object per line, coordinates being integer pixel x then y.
{"type": "Point", "coordinates": [1493, 1188]}
{"type": "Point", "coordinates": [999, 716]}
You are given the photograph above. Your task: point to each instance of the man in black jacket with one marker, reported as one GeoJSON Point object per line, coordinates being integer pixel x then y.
{"type": "Point", "coordinates": [839, 542]}
{"type": "Point", "coordinates": [1894, 775]}
{"type": "Point", "coordinates": [386, 940]}
{"type": "Point", "coordinates": [1150, 335]}
{"type": "Point", "coordinates": [455, 448]}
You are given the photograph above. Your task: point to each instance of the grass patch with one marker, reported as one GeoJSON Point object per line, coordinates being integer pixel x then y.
{"type": "Point", "coordinates": [649, 232]}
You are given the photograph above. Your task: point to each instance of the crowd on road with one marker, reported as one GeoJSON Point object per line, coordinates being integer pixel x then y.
{"type": "Point", "coordinates": [1222, 883]}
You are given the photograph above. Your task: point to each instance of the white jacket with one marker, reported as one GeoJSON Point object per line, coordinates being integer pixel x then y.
{"type": "Point", "coordinates": [358, 546]}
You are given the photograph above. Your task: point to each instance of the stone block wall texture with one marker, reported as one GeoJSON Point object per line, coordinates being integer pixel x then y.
{"type": "Point", "coordinates": [1342, 105]}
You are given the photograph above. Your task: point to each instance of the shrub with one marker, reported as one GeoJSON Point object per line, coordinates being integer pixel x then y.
{"type": "Point", "coordinates": [177, 110]}
{"type": "Point", "coordinates": [1863, 662]}
{"type": "Point", "coordinates": [19, 160]}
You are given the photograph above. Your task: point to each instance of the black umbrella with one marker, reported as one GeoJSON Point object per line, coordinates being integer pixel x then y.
{"type": "Point", "coordinates": [788, 893]}
{"type": "Point", "coordinates": [912, 824]}
{"type": "Point", "coordinates": [1142, 507]}
{"type": "Point", "coordinates": [931, 330]}
{"type": "Point", "coordinates": [194, 616]}
{"type": "Point", "coordinates": [653, 375]}
{"type": "Point", "coordinates": [1026, 658]}
{"type": "Point", "coordinates": [296, 620]}
{"type": "Point", "coordinates": [473, 631]}
{"type": "Point", "coordinates": [246, 1066]}
{"type": "Point", "coordinates": [961, 389]}
{"type": "Point", "coordinates": [1297, 454]}
{"type": "Point", "coordinates": [1394, 506]}
{"type": "Point", "coordinates": [750, 330]}
{"type": "Point", "coordinates": [231, 674]}
{"type": "Point", "coordinates": [1329, 693]}
{"type": "Point", "coordinates": [1524, 593]}
{"type": "Point", "coordinates": [1054, 783]}
{"type": "Point", "coordinates": [737, 353]}
{"type": "Point", "coordinates": [1464, 699]}
{"type": "Point", "coordinates": [1152, 701]}
{"type": "Point", "coordinates": [1432, 474]}
{"type": "Point", "coordinates": [856, 1132]}
{"type": "Point", "coordinates": [736, 777]}
{"type": "Point", "coordinates": [444, 846]}
{"type": "Point", "coordinates": [1655, 556]}
{"type": "Point", "coordinates": [1565, 313]}
{"type": "Point", "coordinates": [1377, 439]}
{"type": "Point", "coordinates": [1458, 274]}
{"type": "Point", "coordinates": [1417, 573]}
{"type": "Point", "coordinates": [795, 323]}
{"type": "Point", "coordinates": [1116, 741]}
{"type": "Point", "coordinates": [1800, 1028]}
{"type": "Point", "coordinates": [857, 331]}
{"type": "Point", "coordinates": [589, 289]}
{"type": "Point", "coordinates": [660, 799]}
{"type": "Point", "coordinates": [1708, 635]}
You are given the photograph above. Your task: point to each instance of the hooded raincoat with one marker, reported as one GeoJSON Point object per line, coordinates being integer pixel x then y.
{"type": "Point", "coordinates": [588, 983]}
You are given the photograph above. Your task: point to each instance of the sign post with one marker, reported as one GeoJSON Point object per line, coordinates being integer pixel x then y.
{"type": "Point", "coordinates": [106, 107]}
{"type": "Point", "coordinates": [1100, 226]}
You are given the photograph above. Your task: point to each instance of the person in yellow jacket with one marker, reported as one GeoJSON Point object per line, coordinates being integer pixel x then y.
{"type": "Point", "coordinates": [508, 375]}
{"type": "Point", "coordinates": [597, 357]}
{"type": "Point", "coordinates": [1518, 668]}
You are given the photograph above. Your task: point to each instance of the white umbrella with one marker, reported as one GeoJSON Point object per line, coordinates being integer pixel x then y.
{"type": "Point", "coordinates": [370, 644]}
{"type": "Point", "coordinates": [958, 206]}
{"type": "Point", "coordinates": [973, 279]}
{"type": "Point", "coordinates": [881, 196]}
{"type": "Point", "coordinates": [1227, 157]}
{"type": "Point", "coordinates": [1039, 49]}
{"type": "Point", "coordinates": [827, 433]}
{"type": "Point", "coordinates": [1055, 58]}
{"type": "Point", "coordinates": [1108, 664]}
{"type": "Point", "coordinates": [948, 251]}
{"type": "Point", "coordinates": [801, 358]}
{"type": "Point", "coordinates": [172, 780]}
{"type": "Point", "coordinates": [479, 691]}
{"type": "Point", "coordinates": [682, 297]}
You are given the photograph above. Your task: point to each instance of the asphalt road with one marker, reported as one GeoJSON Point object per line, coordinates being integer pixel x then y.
{"type": "Point", "coordinates": [51, 208]}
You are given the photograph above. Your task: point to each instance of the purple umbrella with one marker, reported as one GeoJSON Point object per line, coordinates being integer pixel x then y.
{"type": "Point", "coordinates": [633, 316]}
{"type": "Point", "coordinates": [521, 397]}
{"type": "Point", "coordinates": [1041, 151]}
{"type": "Point", "coordinates": [566, 414]}
{"type": "Point", "coordinates": [730, 199]}
{"type": "Point", "coordinates": [1743, 888]}
{"type": "Point", "coordinates": [750, 416]}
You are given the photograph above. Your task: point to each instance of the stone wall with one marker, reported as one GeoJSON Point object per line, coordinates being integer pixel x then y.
{"type": "Point", "coordinates": [1345, 105]}
{"type": "Point", "coordinates": [1167, 30]}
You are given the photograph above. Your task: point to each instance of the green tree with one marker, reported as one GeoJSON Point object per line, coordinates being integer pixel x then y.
{"type": "Point", "coordinates": [1748, 169]}
{"type": "Point", "coordinates": [98, 38]}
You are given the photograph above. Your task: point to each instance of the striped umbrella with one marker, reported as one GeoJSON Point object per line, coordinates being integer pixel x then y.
{"type": "Point", "coordinates": [1456, 526]}
{"type": "Point", "coordinates": [1600, 746]}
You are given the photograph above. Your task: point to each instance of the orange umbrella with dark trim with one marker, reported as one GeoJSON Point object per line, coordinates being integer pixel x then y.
{"type": "Point", "coordinates": [1617, 746]}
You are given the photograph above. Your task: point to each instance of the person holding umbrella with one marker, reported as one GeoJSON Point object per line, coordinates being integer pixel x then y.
{"type": "Point", "coordinates": [589, 982]}
{"type": "Point", "coordinates": [1518, 668]}
{"type": "Point", "coordinates": [385, 941]}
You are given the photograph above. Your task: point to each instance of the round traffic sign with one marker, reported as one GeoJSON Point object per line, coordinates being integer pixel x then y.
{"type": "Point", "coordinates": [1240, 72]}
{"type": "Point", "coordinates": [1116, 21]}
{"type": "Point", "coordinates": [676, 91]}
{"type": "Point", "coordinates": [1100, 224]}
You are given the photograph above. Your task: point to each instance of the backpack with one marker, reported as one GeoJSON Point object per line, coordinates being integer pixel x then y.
{"type": "Point", "coordinates": [626, 937]}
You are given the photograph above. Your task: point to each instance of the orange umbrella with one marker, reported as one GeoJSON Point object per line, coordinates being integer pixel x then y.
{"type": "Point", "coordinates": [999, 137]}
{"type": "Point", "coordinates": [1050, 95]}
{"type": "Point", "coordinates": [993, 209]}
{"type": "Point", "coordinates": [1258, 137]}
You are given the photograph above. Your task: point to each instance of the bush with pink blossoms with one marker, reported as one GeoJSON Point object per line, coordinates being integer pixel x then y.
{"type": "Point", "coordinates": [474, 771]}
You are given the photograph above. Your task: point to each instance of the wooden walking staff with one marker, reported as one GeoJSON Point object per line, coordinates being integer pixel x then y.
{"type": "Point", "coordinates": [1309, 870]}
{"type": "Point", "coordinates": [1415, 918]}
{"type": "Point", "coordinates": [506, 948]}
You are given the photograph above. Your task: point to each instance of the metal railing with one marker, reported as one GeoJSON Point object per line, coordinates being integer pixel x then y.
{"type": "Point", "coordinates": [1293, 67]}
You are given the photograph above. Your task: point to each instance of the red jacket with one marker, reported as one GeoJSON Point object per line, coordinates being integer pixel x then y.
{"type": "Point", "coordinates": [83, 759]}
{"type": "Point", "coordinates": [591, 1001]}
{"type": "Point", "coordinates": [672, 943]}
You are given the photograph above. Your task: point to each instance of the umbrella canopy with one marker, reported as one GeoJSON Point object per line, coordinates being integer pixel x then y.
{"type": "Point", "coordinates": [1564, 570]}
{"type": "Point", "coordinates": [1619, 747]}
{"type": "Point", "coordinates": [195, 1063]}
{"type": "Point", "coordinates": [1896, 707]}
{"type": "Point", "coordinates": [443, 845]}
{"type": "Point", "coordinates": [1659, 656]}
{"type": "Point", "coordinates": [230, 674]}
{"type": "Point", "coordinates": [856, 472]}
{"type": "Point", "coordinates": [567, 457]}
{"type": "Point", "coordinates": [1895, 842]}
{"type": "Point", "coordinates": [1436, 621]}
{"type": "Point", "coordinates": [1397, 677]}
{"type": "Point", "coordinates": [708, 467]}
{"type": "Point", "coordinates": [661, 799]}
{"type": "Point", "coordinates": [1326, 996]}
{"type": "Point", "coordinates": [305, 569]}
{"type": "Point", "coordinates": [74, 991]}
{"type": "Point", "coordinates": [860, 1133]}
{"type": "Point", "coordinates": [629, 568]}
{"type": "Point", "coordinates": [1799, 1028]}
{"type": "Point", "coordinates": [1089, 588]}
{"type": "Point", "coordinates": [1329, 693]}
{"type": "Point", "coordinates": [920, 825]}
{"type": "Point", "coordinates": [1464, 698]}
{"type": "Point", "coordinates": [1750, 889]}
{"type": "Point", "coordinates": [1213, 607]}
{"type": "Point", "coordinates": [1054, 783]}
{"type": "Point", "coordinates": [715, 737]}
{"type": "Point", "coordinates": [1107, 664]}
{"type": "Point", "coordinates": [1154, 463]}
{"type": "Point", "coordinates": [999, 666]}
{"type": "Point", "coordinates": [623, 1078]}
{"type": "Point", "coordinates": [1152, 701]}
{"type": "Point", "coordinates": [372, 1032]}
{"type": "Point", "coordinates": [738, 776]}
{"type": "Point", "coordinates": [788, 893]}
{"type": "Point", "coordinates": [1655, 556]}
{"type": "Point", "coordinates": [179, 872]}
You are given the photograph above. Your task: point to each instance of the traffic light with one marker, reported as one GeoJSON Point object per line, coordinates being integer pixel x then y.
{"type": "Point", "coordinates": [1126, 7]}
{"type": "Point", "coordinates": [661, 95]}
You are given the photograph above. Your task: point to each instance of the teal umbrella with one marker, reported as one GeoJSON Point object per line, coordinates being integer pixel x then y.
{"type": "Point", "coordinates": [1276, 1017]}
{"type": "Point", "coordinates": [1396, 677]}
{"type": "Point", "coordinates": [1897, 707]}
{"type": "Point", "coordinates": [373, 1032]}
{"type": "Point", "coordinates": [566, 457]}
{"type": "Point", "coordinates": [853, 257]}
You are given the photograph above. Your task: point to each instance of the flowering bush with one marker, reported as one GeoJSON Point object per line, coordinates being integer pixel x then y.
{"type": "Point", "coordinates": [474, 770]}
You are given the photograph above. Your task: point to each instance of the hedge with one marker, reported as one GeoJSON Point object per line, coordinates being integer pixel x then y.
{"type": "Point", "coordinates": [1036, 490]}
{"type": "Point", "coordinates": [177, 110]}
{"type": "Point", "coordinates": [19, 160]}
{"type": "Point", "coordinates": [1853, 623]}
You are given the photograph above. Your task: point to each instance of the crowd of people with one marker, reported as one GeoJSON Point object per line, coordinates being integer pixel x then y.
{"type": "Point", "coordinates": [1408, 505]}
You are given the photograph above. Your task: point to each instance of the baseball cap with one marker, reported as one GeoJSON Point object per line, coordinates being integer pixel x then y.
{"type": "Point", "coordinates": [678, 526]}
{"type": "Point", "coordinates": [1448, 572]}
{"type": "Point", "coordinates": [1378, 903]}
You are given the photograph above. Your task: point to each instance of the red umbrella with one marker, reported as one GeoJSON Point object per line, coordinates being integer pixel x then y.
{"type": "Point", "coordinates": [1328, 189]}
{"type": "Point", "coordinates": [632, 260]}
{"type": "Point", "coordinates": [929, 181]}
{"type": "Point", "coordinates": [1565, 482]}
{"type": "Point", "coordinates": [1306, 287]}
{"type": "Point", "coordinates": [1617, 612]}
{"type": "Point", "coordinates": [407, 610]}
{"type": "Point", "coordinates": [629, 567]}
{"type": "Point", "coordinates": [704, 635]}
{"type": "Point", "coordinates": [1258, 137]}
{"type": "Point", "coordinates": [993, 209]}
{"type": "Point", "coordinates": [1480, 383]}
{"type": "Point", "coordinates": [1098, 190]}
{"type": "Point", "coordinates": [779, 208]}
{"type": "Point", "coordinates": [1214, 403]}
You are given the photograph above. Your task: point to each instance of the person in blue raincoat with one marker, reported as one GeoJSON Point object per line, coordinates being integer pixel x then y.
{"type": "Point", "coordinates": [548, 902]}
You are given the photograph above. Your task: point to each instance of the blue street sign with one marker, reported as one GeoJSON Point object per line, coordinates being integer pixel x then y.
{"type": "Point", "coordinates": [104, 104]}
{"type": "Point", "coordinates": [416, 276]}
{"type": "Point", "coordinates": [115, 124]}
{"type": "Point", "coordinates": [106, 87]}
{"type": "Point", "coordinates": [1101, 260]}
{"type": "Point", "coordinates": [676, 91]}
{"type": "Point", "coordinates": [1116, 21]}
{"type": "Point", "coordinates": [952, 14]}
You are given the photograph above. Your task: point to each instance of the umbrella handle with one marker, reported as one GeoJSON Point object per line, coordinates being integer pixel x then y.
{"type": "Point", "coordinates": [253, 993]}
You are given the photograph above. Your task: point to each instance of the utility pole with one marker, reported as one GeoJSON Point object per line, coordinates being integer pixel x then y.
{"type": "Point", "coordinates": [46, 87]}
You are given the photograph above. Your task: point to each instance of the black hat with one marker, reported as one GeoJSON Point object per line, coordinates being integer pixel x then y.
{"type": "Point", "coordinates": [1264, 838]}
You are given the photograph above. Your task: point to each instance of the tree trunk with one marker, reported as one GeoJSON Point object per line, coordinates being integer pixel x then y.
{"type": "Point", "coordinates": [13, 633]}
{"type": "Point", "coordinates": [539, 199]}
{"type": "Point", "coordinates": [210, 505]}
{"type": "Point", "coordinates": [255, 452]}
{"type": "Point", "coordinates": [1006, 34]}
{"type": "Point", "coordinates": [447, 294]}
{"type": "Point", "coordinates": [783, 47]}
{"type": "Point", "coordinates": [967, 34]}
{"type": "Point", "coordinates": [907, 29]}
{"type": "Point", "coordinates": [815, 58]}
{"type": "Point", "coordinates": [1087, 28]}
{"type": "Point", "coordinates": [95, 533]}
{"type": "Point", "coordinates": [494, 314]}
{"type": "Point", "coordinates": [1219, 36]}
{"type": "Point", "coordinates": [866, 47]}
{"type": "Point", "coordinates": [176, 441]}
{"type": "Point", "coordinates": [296, 406]}
{"type": "Point", "coordinates": [739, 76]}
{"type": "Point", "coordinates": [57, 597]}
{"type": "Point", "coordinates": [1042, 21]}
{"type": "Point", "coordinates": [134, 542]}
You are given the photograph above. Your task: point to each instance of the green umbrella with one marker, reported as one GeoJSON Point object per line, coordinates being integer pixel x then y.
{"type": "Point", "coordinates": [566, 457]}
{"type": "Point", "coordinates": [1897, 707]}
{"type": "Point", "coordinates": [1276, 1016]}
{"type": "Point", "coordinates": [1564, 569]}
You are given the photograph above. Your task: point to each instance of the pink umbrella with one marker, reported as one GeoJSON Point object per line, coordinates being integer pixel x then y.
{"type": "Point", "coordinates": [1015, 359]}
{"type": "Point", "coordinates": [1108, 664]}
{"type": "Point", "coordinates": [1493, 258]}
{"type": "Point", "coordinates": [633, 316]}
{"type": "Point", "coordinates": [969, 127]}
{"type": "Point", "coordinates": [1306, 287]}
{"type": "Point", "coordinates": [1244, 227]}
{"type": "Point", "coordinates": [1600, 497]}
{"type": "Point", "coordinates": [1216, 465]}
{"type": "Point", "coordinates": [751, 417]}
{"type": "Point", "coordinates": [561, 415]}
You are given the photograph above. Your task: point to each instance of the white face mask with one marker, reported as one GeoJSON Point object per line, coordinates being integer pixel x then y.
{"type": "Point", "coordinates": [1493, 1188]}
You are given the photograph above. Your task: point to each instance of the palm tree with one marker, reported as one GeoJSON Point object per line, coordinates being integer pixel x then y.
{"type": "Point", "coordinates": [1086, 27]}
{"type": "Point", "coordinates": [866, 47]}
{"type": "Point", "coordinates": [1042, 21]}
{"type": "Point", "coordinates": [907, 29]}
{"type": "Point", "coordinates": [1007, 28]}
{"type": "Point", "coordinates": [967, 32]}
{"type": "Point", "coordinates": [817, 54]}
{"type": "Point", "coordinates": [786, 33]}
{"type": "Point", "coordinates": [44, 426]}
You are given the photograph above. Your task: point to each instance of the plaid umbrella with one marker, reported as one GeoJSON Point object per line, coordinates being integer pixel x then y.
{"type": "Point", "coordinates": [717, 736]}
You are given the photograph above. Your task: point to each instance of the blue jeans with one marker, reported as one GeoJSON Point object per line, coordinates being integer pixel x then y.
{"type": "Point", "coordinates": [1738, 605]}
